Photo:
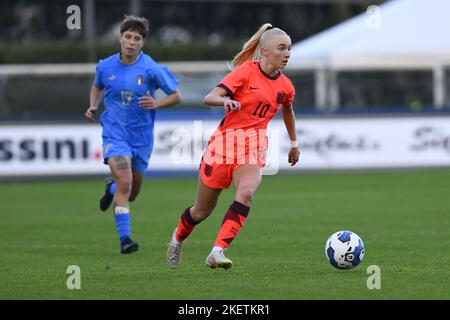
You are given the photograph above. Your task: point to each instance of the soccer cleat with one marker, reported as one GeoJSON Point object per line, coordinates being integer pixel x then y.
{"type": "Point", "coordinates": [174, 254]}
{"type": "Point", "coordinates": [218, 260]}
{"type": "Point", "coordinates": [128, 246]}
{"type": "Point", "coordinates": [107, 198]}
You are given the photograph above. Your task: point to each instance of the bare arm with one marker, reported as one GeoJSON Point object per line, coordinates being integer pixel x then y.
{"type": "Point", "coordinates": [94, 100]}
{"type": "Point", "coordinates": [218, 98]}
{"type": "Point", "coordinates": [147, 101]}
{"type": "Point", "coordinates": [289, 122]}
{"type": "Point", "coordinates": [95, 96]}
{"type": "Point", "coordinates": [169, 101]}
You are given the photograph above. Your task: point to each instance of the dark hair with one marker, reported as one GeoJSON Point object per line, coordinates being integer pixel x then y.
{"type": "Point", "coordinates": [140, 24]}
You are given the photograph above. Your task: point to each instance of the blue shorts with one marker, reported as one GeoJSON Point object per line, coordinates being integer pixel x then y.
{"type": "Point", "coordinates": [139, 155]}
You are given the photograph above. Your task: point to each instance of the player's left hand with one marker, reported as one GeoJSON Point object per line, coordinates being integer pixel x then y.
{"type": "Point", "coordinates": [293, 155]}
{"type": "Point", "coordinates": [147, 102]}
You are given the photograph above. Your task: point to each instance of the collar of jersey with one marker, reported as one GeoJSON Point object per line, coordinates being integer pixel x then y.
{"type": "Point", "coordinates": [268, 75]}
{"type": "Point", "coordinates": [129, 64]}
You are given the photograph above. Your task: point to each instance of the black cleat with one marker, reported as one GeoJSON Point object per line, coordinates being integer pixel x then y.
{"type": "Point", "coordinates": [106, 199]}
{"type": "Point", "coordinates": [128, 246]}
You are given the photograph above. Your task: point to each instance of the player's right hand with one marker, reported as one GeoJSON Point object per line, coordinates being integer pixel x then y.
{"type": "Point", "coordinates": [231, 105]}
{"type": "Point", "coordinates": [90, 113]}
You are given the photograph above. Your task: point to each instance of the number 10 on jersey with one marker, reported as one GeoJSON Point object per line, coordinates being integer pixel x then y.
{"type": "Point", "coordinates": [261, 110]}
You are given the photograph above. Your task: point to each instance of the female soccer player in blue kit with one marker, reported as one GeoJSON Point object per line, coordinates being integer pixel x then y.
{"type": "Point", "coordinates": [129, 80]}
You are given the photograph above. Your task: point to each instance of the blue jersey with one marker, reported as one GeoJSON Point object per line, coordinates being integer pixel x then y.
{"type": "Point", "coordinates": [123, 84]}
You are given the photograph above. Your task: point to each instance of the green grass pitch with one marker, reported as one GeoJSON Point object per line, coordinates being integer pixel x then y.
{"type": "Point", "coordinates": [402, 217]}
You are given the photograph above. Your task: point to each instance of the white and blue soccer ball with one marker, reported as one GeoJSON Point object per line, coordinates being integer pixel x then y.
{"type": "Point", "coordinates": [344, 249]}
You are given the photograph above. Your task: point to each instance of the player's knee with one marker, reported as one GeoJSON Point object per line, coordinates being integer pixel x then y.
{"type": "Point", "coordinates": [123, 186]}
{"type": "Point", "coordinates": [245, 195]}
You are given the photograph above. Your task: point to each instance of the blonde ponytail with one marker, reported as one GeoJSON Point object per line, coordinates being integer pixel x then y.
{"type": "Point", "coordinates": [249, 50]}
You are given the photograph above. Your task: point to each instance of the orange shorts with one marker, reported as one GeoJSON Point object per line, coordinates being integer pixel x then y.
{"type": "Point", "coordinates": [219, 176]}
{"type": "Point", "coordinates": [221, 158]}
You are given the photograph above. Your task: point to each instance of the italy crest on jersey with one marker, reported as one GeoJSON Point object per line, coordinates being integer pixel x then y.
{"type": "Point", "coordinates": [140, 80]}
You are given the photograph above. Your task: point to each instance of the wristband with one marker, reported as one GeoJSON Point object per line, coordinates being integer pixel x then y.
{"type": "Point", "coordinates": [294, 144]}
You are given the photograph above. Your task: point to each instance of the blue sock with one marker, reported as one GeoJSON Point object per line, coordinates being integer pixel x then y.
{"type": "Point", "coordinates": [112, 189]}
{"type": "Point", "coordinates": [123, 226]}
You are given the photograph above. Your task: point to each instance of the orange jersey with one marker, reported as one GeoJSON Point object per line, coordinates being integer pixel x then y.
{"type": "Point", "coordinates": [242, 133]}
{"type": "Point", "coordinates": [259, 94]}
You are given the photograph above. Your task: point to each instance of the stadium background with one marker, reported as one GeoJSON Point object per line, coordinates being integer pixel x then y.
{"type": "Point", "coordinates": [375, 159]}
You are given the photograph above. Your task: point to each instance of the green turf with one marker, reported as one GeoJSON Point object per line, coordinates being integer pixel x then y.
{"type": "Point", "coordinates": [403, 218]}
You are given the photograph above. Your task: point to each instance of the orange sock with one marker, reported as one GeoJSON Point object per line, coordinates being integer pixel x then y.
{"type": "Point", "coordinates": [186, 225]}
{"type": "Point", "coordinates": [232, 223]}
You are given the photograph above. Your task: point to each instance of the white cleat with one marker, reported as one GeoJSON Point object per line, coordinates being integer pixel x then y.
{"type": "Point", "coordinates": [174, 254]}
{"type": "Point", "coordinates": [218, 260]}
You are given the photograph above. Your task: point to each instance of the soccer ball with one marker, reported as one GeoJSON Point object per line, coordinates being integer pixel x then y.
{"type": "Point", "coordinates": [344, 250]}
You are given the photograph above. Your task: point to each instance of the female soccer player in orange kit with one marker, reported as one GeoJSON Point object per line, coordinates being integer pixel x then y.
{"type": "Point", "coordinates": [251, 95]}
